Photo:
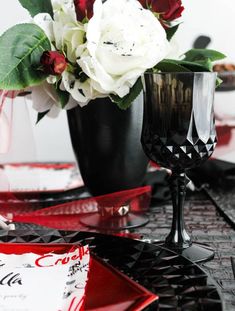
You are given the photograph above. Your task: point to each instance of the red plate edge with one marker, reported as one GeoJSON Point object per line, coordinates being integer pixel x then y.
{"type": "Point", "coordinates": [143, 296]}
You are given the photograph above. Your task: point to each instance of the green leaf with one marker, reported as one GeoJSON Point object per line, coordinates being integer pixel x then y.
{"type": "Point", "coordinates": [202, 54]}
{"type": "Point", "coordinates": [171, 31]}
{"type": "Point", "coordinates": [171, 65]}
{"type": "Point", "coordinates": [203, 58]}
{"type": "Point", "coordinates": [218, 81]}
{"type": "Point", "coordinates": [63, 96]}
{"type": "Point", "coordinates": [126, 101]}
{"type": "Point", "coordinates": [194, 66]}
{"type": "Point", "coordinates": [37, 6]}
{"type": "Point", "coordinates": [20, 50]}
{"type": "Point", "coordinates": [41, 115]}
{"type": "Point", "coordinates": [206, 63]}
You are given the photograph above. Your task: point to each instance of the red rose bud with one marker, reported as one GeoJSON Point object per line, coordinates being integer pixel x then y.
{"type": "Point", "coordinates": [174, 10]}
{"type": "Point", "coordinates": [169, 10]}
{"type": "Point", "coordinates": [83, 8]}
{"type": "Point", "coordinates": [53, 62]}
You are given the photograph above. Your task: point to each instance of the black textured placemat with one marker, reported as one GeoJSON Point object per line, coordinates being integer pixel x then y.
{"type": "Point", "coordinates": [180, 284]}
{"type": "Point", "coordinates": [206, 225]}
{"type": "Point", "coordinates": [224, 199]}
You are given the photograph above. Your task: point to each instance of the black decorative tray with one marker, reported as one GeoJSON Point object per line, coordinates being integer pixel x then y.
{"type": "Point", "coordinates": [179, 283]}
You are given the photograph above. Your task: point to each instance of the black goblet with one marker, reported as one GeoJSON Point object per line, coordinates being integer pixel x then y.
{"type": "Point", "coordinates": [179, 133]}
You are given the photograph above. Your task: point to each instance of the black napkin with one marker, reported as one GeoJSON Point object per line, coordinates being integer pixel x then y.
{"type": "Point", "coordinates": [160, 189]}
{"type": "Point", "coordinates": [214, 173]}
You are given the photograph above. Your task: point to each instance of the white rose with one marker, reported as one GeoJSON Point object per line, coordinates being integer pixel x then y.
{"type": "Point", "coordinates": [82, 92]}
{"type": "Point", "coordinates": [45, 98]}
{"type": "Point", "coordinates": [123, 40]}
{"type": "Point", "coordinates": [68, 32]}
{"type": "Point", "coordinates": [64, 31]}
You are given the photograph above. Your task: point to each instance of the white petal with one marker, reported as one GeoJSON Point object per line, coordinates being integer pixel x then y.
{"type": "Point", "coordinates": [71, 103]}
{"type": "Point", "coordinates": [44, 21]}
{"type": "Point", "coordinates": [123, 41]}
{"type": "Point", "coordinates": [54, 112]}
{"type": "Point", "coordinates": [74, 87]}
{"type": "Point", "coordinates": [44, 97]}
{"type": "Point", "coordinates": [93, 27]}
{"type": "Point", "coordinates": [5, 132]}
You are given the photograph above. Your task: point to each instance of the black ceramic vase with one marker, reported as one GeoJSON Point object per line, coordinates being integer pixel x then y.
{"type": "Point", "coordinates": [106, 142]}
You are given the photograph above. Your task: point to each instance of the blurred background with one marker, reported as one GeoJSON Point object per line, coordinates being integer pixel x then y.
{"type": "Point", "coordinates": [49, 140]}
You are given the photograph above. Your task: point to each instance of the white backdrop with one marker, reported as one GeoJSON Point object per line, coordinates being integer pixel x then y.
{"type": "Point", "coordinates": [209, 17]}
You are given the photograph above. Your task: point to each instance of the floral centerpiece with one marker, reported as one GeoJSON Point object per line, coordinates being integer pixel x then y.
{"type": "Point", "coordinates": [73, 51]}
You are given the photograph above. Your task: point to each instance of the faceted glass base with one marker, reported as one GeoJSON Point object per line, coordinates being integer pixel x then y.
{"type": "Point", "coordinates": [196, 252]}
{"type": "Point", "coordinates": [114, 223]}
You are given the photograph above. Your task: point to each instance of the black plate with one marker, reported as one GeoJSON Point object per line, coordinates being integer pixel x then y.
{"type": "Point", "coordinates": [179, 283]}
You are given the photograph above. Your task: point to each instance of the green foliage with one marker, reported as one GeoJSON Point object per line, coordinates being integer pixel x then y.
{"type": "Point", "coordinates": [197, 55]}
{"type": "Point", "coordinates": [63, 96]}
{"type": "Point", "coordinates": [37, 6]}
{"type": "Point", "coordinates": [126, 101]}
{"type": "Point", "coordinates": [20, 50]}
{"type": "Point", "coordinates": [170, 65]}
{"type": "Point", "coordinates": [171, 31]}
{"type": "Point", "coordinates": [195, 60]}
{"type": "Point", "coordinates": [41, 115]}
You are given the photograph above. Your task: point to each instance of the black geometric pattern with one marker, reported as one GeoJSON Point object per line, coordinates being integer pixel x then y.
{"type": "Point", "coordinates": [168, 153]}
{"type": "Point", "coordinates": [178, 127]}
{"type": "Point", "coordinates": [180, 284]}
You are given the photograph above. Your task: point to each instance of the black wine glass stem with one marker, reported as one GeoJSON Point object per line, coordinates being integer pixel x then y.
{"type": "Point", "coordinates": [178, 237]}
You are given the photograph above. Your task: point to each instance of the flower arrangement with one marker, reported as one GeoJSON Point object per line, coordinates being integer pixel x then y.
{"type": "Point", "coordinates": [73, 51]}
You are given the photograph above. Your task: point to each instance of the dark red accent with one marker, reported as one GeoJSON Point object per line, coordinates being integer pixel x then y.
{"type": "Point", "coordinates": [36, 248]}
{"type": "Point", "coordinates": [224, 134]}
{"type": "Point", "coordinates": [53, 62]}
{"type": "Point", "coordinates": [67, 216]}
{"type": "Point", "coordinates": [54, 166]}
{"type": "Point", "coordinates": [226, 142]}
{"type": "Point", "coordinates": [84, 8]}
{"type": "Point", "coordinates": [169, 10]}
{"type": "Point", "coordinates": [122, 293]}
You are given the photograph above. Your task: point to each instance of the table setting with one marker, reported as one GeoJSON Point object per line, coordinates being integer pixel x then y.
{"type": "Point", "coordinates": [143, 218]}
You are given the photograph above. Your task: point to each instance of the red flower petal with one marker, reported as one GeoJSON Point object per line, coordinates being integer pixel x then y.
{"type": "Point", "coordinates": [168, 9]}
{"type": "Point", "coordinates": [83, 8]}
{"type": "Point", "coordinates": [53, 62]}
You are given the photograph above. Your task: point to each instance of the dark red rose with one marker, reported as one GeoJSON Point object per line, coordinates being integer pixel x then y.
{"type": "Point", "coordinates": [169, 10]}
{"type": "Point", "coordinates": [84, 8]}
{"type": "Point", "coordinates": [53, 62]}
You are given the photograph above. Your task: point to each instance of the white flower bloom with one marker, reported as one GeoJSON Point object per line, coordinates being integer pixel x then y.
{"type": "Point", "coordinates": [123, 40]}
{"type": "Point", "coordinates": [174, 51]}
{"type": "Point", "coordinates": [44, 21]}
{"type": "Point", "coordinates": [68, 32]}
{"type": "Point", "coordinates": [64, 31]}
{"type": "Point", "coordinates": [64, 11]}
{"type": "Point", "coordinates": [44, 98]}
{"type": "Point", "coordinates": [82, 92]}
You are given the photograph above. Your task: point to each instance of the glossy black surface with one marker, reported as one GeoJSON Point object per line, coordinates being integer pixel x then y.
{"type": "Point", "coordinates": [115, 223]}
{"type": "Point", "coordinates": [179, 133]}
{"type": "Point", "coordinates": [178, 128]}
{"type": "Point", "coordinates": [180, 284]}
{"type": "Point", "coordinates": [106, 142]}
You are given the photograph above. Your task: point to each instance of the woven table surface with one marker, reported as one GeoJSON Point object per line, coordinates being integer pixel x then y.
{"type": "Point", "coordinates": [206, 225]}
